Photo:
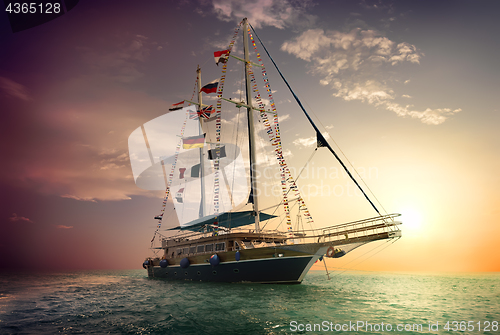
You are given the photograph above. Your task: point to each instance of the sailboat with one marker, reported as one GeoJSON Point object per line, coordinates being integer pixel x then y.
{"type": "Point", "coordinates": [225, 229]}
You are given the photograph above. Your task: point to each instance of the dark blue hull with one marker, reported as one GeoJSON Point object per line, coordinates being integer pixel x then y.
{"type": "Point", "coordinates": [270, 270]}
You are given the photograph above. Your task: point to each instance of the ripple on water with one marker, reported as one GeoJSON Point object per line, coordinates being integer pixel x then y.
{"type": "Point", "coordinates": [127, 302]}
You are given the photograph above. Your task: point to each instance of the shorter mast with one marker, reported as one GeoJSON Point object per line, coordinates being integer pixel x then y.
{"type": "Point", "coordinates": [251, 130]}
{"type": "Point", "coordinates": [202, 204]}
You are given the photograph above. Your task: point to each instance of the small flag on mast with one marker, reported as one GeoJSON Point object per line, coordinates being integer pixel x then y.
{"type": "Point", "coordinates": [212, 153]}
{"type": "Point", "coordinates": [221, 56]}
{"type": "Point", "coordinates": [193, 114]}
{"type": "Point", "coordinates": [181, 173]}
{"type": "Point", "coordinates": [206, 112]}
{"type": "Point", "coordinates": [176, 106]}
{"type": "Point", "coordinates": [211, 87]}
{"type": "Point", "coordinates": [193, 142]}
{"type": "Point", "coordinates": [180, 195]}
{"type": "Point", "coordinates": [195, 171]}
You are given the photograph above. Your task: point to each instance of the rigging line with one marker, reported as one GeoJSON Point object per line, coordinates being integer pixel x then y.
{"type": "Point", "coordinates": [347, 159]}
{"type": "Point", "coordinates": [384, 245]}
{"type": "Point", "coordinates": [307, 162]}
{"type": "Point", "coordinates": [298, 176]}
{"type": "Point", "coordinates": [352, 260]}
{"type": "Point", "coordinates": [209, 58]}
{"type": "Point", "coordinates": [283, 218]}
{"type": "Point", "coordinates": [345, 156]}
{"type": "Point", "coordinates": [296, 179]}
{"type": "Point", "coordinates": [318, 133]}
{"type": "Point", "coordinates": [277, 207]}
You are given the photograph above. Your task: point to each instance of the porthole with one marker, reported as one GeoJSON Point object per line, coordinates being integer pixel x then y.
{"type": "Point", "coordinates": [199, 273]}
{"type": "Point", "coordinates": [214, 272]}
{"type": "Point", "coordinates": [185, 273]}
{"type": "Point", "coordinates": [236, 270]}
{"type": "Point", "coordinates": [175, 273]}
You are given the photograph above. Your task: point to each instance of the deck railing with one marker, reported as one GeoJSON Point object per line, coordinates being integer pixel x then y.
{"type": "Point", "coordinates": [350, 232]}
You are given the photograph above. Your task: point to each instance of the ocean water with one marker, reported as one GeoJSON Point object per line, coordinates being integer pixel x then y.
{"type": "Point", "coordinates": [127, 302]}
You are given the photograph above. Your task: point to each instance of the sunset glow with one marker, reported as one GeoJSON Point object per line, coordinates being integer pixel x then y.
{"type": "Point", "coordinates": [408, 91]}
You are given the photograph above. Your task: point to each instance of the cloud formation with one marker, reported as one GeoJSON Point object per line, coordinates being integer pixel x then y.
{"type": "Point", "coordinates": [274, 13]}
{"type": "Point", "coordinates": [77, 150]}
{"type": "Point", "coordinates": [355, 64]}
{"type": "Point", "coordinates": [16, 218]}
{"type": "Point", "coordinates": [13, 89]}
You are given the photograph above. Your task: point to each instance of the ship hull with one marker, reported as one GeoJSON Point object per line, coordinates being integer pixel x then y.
{"type": "Point", "coordinates": [288, 264]}
{"type": "Point", "coordinates": [290, 270]}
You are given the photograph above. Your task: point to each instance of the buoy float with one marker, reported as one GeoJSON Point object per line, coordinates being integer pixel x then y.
{"type": "Point", "coordinates": [184, 263]}
{"type": "Point", "coordinates": [237, 256]}
{"type": "Point", "coordinates": [145, 264]}
{"type": "Point", "coordinates": [214, 260]}
{"type": "Point", "coordinates": [163, 263]}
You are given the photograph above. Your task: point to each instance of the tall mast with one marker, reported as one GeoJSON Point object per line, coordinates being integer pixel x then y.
{"type": "Point", "coordinates": [251, 130]}
{"type": "Point", "coordinates": [202, 204]}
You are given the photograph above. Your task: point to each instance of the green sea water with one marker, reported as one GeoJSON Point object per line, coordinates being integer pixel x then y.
{"type": "Point", "coordinates": [127, 302]}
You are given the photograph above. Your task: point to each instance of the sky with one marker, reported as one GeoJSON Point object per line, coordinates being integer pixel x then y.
{"type": "Point", "coordinates": [408, 90]}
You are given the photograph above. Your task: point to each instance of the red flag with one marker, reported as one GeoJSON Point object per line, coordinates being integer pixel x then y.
{"type": "Point", "coordinates": [176, 106]}
{"type": "Point", "coordinates": [221, 56]}
{"type": "Point", "coordinates": [181, 173]}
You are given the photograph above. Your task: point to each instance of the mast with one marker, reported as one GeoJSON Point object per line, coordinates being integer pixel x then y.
{"type": "Point", "coordinates": [251, 130]}
{"type": "Point", "coordinates": [202, 203]}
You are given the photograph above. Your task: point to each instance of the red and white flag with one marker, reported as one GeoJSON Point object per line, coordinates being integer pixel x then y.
{"type": "Point", "coordinates": [221, 56]}
{"type": "Point", "coordinates": [177, 106]}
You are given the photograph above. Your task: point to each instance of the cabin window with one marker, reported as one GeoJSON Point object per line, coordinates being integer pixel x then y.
{"type": "Point", "coordinates": [192, 250]}
{"type": "Point", "coordinates": [236, 245]}
{"type": "Point", "coordinates": [178, 251]}
{"type": "Point", "coordinates": [200, 248]}
{"type": "Point", "coordinates": [185, 251]}
{"type": "Point", "coordinates": [209, 247]}
{"type": "Point", "coordinates": [220, 246]}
